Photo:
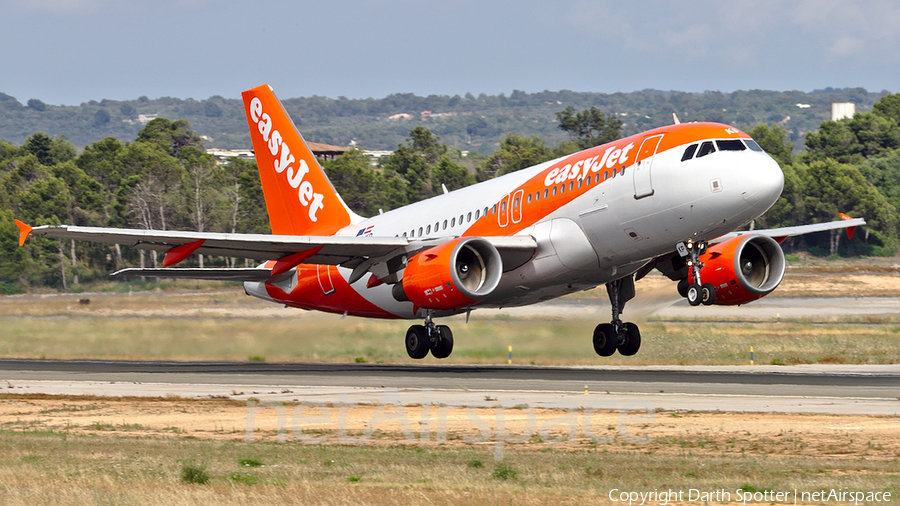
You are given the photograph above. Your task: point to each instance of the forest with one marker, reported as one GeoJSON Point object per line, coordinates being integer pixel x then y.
{"type": "Point", "coordinates": [164, 179]}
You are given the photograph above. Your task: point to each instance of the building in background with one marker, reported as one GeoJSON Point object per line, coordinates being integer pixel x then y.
{"type": "Point", "coordinates": [841, 110]}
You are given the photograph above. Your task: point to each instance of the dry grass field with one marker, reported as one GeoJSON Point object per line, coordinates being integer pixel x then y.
{"type": "Point", "coordinates": [225, 324]}
{"type": "Point", "coordinates": [71, 450]}
{"type": "Point", "coordinates": [171, 451]}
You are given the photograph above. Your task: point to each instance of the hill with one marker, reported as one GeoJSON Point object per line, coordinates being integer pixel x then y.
{"type": "Point", "coordinates": [465, 122]}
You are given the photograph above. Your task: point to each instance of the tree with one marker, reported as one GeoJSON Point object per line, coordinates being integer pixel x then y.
{"type": "Point", "coordinates": [415, 162]}
{"type": "Point", "coordinates": [36, 105]}
{"type": "Point", "coordinates": [888, 107]}
{"type": "Point", "coordinates": [589, 127]}
{"type": "Point", "coordinates": [832, 188]}
{"type": "Point", "coordinates": [171, 136]}
{"type": "Point", "coordinates": [515, 153]}
{"type": "Point", "coordinates": [775, 142]}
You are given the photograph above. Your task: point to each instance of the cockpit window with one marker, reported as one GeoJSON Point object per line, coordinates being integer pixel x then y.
{"type": "Point", "coordinates": [705, 149]}
{"type": "Point", "coordinates": [753, 145]}
{"type": "Point", "coordinates": [689, 152]}
{"type": "Point", "coordinates": [730, 145]}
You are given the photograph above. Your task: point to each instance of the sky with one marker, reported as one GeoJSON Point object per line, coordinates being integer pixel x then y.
{"type": "Point", "coordinates": [72, 51]}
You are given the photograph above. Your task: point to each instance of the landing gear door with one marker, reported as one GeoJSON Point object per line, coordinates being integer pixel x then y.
{"type": "Point", "coordinates": [643, 184]}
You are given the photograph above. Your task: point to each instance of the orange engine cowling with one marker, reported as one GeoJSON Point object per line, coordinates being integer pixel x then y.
{"type": "Point", "coordinates": [454, 275]}
{"type": "Point", "coordinates": [742, 269]}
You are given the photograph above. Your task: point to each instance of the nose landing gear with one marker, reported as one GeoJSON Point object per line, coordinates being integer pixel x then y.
{"type": "Point", "coordinates": [697, 292]}
{"type": "Point", "coordinates": [420, 339]}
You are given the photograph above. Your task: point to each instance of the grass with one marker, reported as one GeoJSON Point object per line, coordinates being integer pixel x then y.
{"type": "Point", "coordinates": [535, 341]}
{"type": "Point", "coordinates": [193, 473]}
{"type": "Point", "coordinates": [43, 467]}
{"type": "Point", "coordinates": [227, 325]}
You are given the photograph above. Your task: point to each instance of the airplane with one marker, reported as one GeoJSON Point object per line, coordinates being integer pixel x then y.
{"type": "Point", "coordinates": [669, 199]}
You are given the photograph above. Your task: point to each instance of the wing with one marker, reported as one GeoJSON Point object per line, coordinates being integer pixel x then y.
{"type": "Point", "coordinates": [380, 255]}
{"type": "Point", "coordinates": [780, 234]}
{"type": "Point", "coordinates": [669, 265]}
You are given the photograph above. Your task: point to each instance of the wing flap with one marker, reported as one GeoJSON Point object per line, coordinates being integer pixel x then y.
{"type": "Point", "coordinates": [249, 274]}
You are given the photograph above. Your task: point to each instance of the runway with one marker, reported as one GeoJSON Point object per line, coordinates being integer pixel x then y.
{"type": "Point", "coordinates": [802, 389]}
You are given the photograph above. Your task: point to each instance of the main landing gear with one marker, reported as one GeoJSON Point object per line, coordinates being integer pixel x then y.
{"type": "Point", "coordinates": [697, 292]}
{"type": "Point", "coordinates": [618, 335]}
{"type": "Point", "coordinates": [422, 338]}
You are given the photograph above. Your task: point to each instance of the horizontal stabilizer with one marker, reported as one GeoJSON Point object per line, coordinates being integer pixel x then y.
{"type": "Point", "coordinates": [248, 274]}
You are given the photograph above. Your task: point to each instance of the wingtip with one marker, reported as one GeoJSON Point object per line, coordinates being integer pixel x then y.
{"type": "Point", "coordinates": [850, 230]}
{"type": "Point", "coordinates": [24, 231]}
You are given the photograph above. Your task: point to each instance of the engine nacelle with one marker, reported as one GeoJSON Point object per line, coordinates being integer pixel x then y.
{"type": "Point", "coordinates": [454, 275]}
{"type": "Point", "coordinates": [743, 269]}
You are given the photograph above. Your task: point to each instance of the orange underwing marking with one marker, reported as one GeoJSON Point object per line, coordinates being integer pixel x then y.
{"type": "Point", "coordinates": [289, 262]}
{"type": "Point", "coordinates": [24, 230]}
{"type": "Point", "coordinates": [850, 230]}
{"type": "Point", "coordinates": [179, 253]}
{"type": "Point", "coordinates": [373, 282]}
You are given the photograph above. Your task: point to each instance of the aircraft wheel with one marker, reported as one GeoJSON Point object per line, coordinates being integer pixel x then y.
{"type": "Point", "coordinates": [694, 295]}
{"type": "Point", "coordinates": [683, 287]}
{"type": "Point", "coordinates": [417, 342]}
{"type": "Point", "coordinates": [708, 294]}
{"type": "Point", "coordinates": [605, 339]}
{"type": "Point", "coordinates": [445, 343]}
{"type": "Point", "coordinates": [632, 341]}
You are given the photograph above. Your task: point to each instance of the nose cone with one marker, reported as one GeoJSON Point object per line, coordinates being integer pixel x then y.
{"type": "Point", "coordinates": [763, 183]}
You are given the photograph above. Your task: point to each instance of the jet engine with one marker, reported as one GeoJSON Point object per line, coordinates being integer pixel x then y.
{"type": "Point", "coordinates": [454, 275]}
{"type": "Point", "coordinates": [742, 269]}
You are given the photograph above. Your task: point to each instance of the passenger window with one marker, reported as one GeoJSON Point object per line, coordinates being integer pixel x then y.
{"type": "Point", "coordinates": [580, 182]}
{"type": "Point", "coordinates": [420, 232]}
{"type": "Point", "coordinates": [494, 209]}
{"type": "Point", "coordinates": [437, 226]}
{"type": "Point", "coordinates": [571, 185]}
{"type": "Point", "coordinates": [528, 200]}
{"type": "Point", "coordinates": [469, 217]}
{"type": "Point", "coordinates": [689, 152]}
{"type": "Point", "coordinates": [516, 202]}
{"type": "Point", "coordinates": [428, 230]}
{"type": "Point", "coordinates": [445, 224]}
{"type": "Point", "coordinates": [605, 175]}
{"type": "Point", "coordinates": [477, 213]}
{"type": "Point", "coordinates": [546, 191]}
{"type": "Point", "coordinates": [623, 170]}
{"type": "Point", "coordinates": [453, 223]}
{"type": "Point", "coordinates": [705, 149]}
{"type": "Point", "coordinates": [461, 219]}
{"type": "Point", "coordinates": [412, 233]}
{"type": "Point", "coordinates": [404, 234]}
{"type": "Point", "coordinates": [730, 145]}
{"type": "Point", "coordinates": [753, 145]}
{"type": "Point", "coordinates": [485, 212]}
{"type": "Point", "coordinates": [537, 195]}
{"type": "Point", "coordinates": [554, 191]}
{"type": "Point", "coordinates": [503, 207]}
{"type": "Point", "coordinates": [562, 188]}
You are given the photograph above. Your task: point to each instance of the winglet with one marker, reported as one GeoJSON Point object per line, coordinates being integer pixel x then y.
{"type": "Point", "coordinates": [24, 230]}
{"type": "Point", "coordinates": [179, 253]}
{"type": "Point", "coordinates": [850, 230]}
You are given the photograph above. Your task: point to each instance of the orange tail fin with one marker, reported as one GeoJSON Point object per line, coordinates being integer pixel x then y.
{"type": "Point", "coordinates": [299, 197]}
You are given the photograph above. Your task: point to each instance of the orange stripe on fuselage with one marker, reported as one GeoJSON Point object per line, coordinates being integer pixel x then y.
{"type": "Point", "coordinates": [601, 159]}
